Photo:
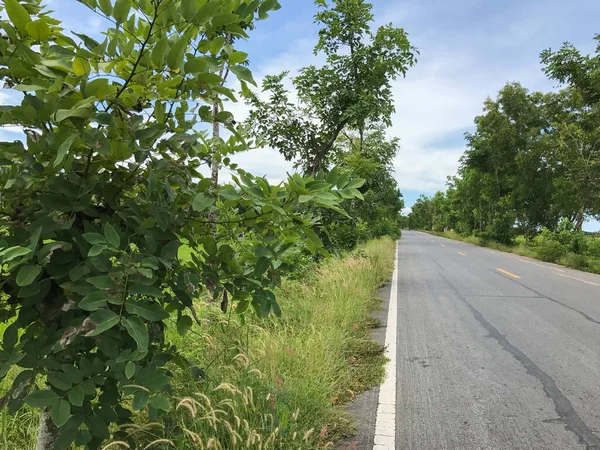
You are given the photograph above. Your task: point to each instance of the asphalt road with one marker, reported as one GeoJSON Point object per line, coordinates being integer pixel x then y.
{"type": "Point", "coordinates": [494, 351]}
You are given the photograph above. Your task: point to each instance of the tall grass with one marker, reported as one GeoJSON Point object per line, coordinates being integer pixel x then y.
{"type": "Point", "coordinates": [277, 383]}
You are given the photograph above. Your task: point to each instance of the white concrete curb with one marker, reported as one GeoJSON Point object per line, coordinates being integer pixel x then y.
{"type": "Point", "coordinates": [385, 426]}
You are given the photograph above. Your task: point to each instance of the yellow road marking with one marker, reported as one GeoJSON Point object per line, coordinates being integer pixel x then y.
{"type": "Point", "coordinates": [443, 245]}
{"type": "Point", "coordinates": [509, 274]}
{"type": "Point", "coordinates": [461, 253]}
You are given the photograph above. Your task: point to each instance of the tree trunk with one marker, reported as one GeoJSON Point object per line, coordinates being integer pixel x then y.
{"type": "Point", "coordinates": [580, 220]}
{"type": "Point", "coordinates": [47, 431]}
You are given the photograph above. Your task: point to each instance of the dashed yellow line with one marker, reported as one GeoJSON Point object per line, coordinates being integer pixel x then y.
{"type": "Point", "coordinates": [461, 253]}
{"type": "Point", "coordinates": [509, 274]}
{"type": "Point", "coordinates": [443, 245]}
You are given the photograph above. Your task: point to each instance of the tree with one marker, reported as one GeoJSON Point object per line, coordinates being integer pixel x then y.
{"type": "Point", "coordinates": [351, 91]}
{"type": "Point", "coordinates": [103, 193]}
{"type": "Point", "coordinates": [379, 213]}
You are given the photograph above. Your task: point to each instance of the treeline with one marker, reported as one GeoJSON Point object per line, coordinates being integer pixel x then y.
{"type": "Point", "coordinates": [533, 161]}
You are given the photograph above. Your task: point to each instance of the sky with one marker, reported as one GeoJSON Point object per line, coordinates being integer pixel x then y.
{"type": "Point", "coordinates": [468, 50]}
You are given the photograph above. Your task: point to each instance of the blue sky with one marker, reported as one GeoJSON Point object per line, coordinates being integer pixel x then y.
{"type": "Point", "coordinates": [469, 50]}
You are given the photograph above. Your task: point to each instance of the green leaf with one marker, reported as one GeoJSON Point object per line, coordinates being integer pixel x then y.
{"type": "Point", "coordinates": [217, 44]}
{"type": "Point", "coordinates": [137, 330]}
{"type": "Point", "coordinates": [158, 53]}
{"type": "Point", "coordinates": [262, 265]}
{"type": "Point", "coordinates": [77, 272]}
{"type": "Point", "coordinates": [223, 19]}
{"type": "Point", "coordinates": [60, 412]}
{"type": "Point", "coordinates": [130, 370]}
{"type": "Point", "coordinates": [104, 319]}
{"type": "Point", "coordinates": [74, 374]}
{"type": "Point", "coordinates": [81, 66]}
{"type": "Point", "coordinates": [243, 74]}
{"type": "Point", "coordinates": [207, 12]}
{"type": "Point", "coordinates": [195, 65]}
{"type": "Point", "coordinates": [64, 149]}
{"type": "Point", "coordinates": [42, 399]}
{"type": "Point", "coordinates": [55, 202]}
{"type": "Point", "coordinates": [95, 301]}
{"type": "Point", "coordinates": [188, 8]}
{"type": "Point", "coordinates": [38, 30]}
{"type": "Point", "coordinates": [266, 6]}
{"type": "Point", "coordinates": [76, 395]}
{"type": "Point", "coordinates": [175, 55]}
{"type": "Point", "coordinates": [211, 79]}
{"type": "Point", "coordinates": [18, 15]}
{"type": "Point", "coordinates": [140, 398]}
{"type": "Point", "coordinates": [237, 57]}
{"type": "Point", "coordinates": [11, 253]}
{"type": "Point", "coordinates": [160, 402]}
{"type": "Point", "coordinates": [83, 112]}
{"type": "Point", "coordinates": [97, 426]}
{"type": "Point", "coordinates": [343, 180]}
{"type": "Point", "coordinates": [27, 274]}
{"type": "Point", "coordinates": [60, 381]}
{"type": "Point", "coordinates": [96, 250]}
{"type": "Point", "coordinates": [142, 289]}
{"type": "Point", "coordinates": [149, 311]}
{"type": "Point", "coordinates": [356, 183]}
{"type": "Point", "coordinates": [121, 10]}
{"type": "Point", "coordinates": [357, 194]}
{"type": "Point", "coordinates": [102, 282]}
{"type": "Point", "coordinates": [105, 7]}
{"type": "Point", "coordinates": [184, 323]}
{"type": "Point", "coordinates": [94, 238]}
{"type": "Point", "coordinates": [305, 198]}
{"type": "Point", "coordinates": [111, 235]}
{"type": "Point", "coordinates": [229, 193]}
{"type": "Point", "coordinates": [332, 176]}
{"type": "Point", "coordinates": [202, 202]}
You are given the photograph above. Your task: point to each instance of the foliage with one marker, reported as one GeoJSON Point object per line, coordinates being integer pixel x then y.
{"type": "Point", "coordinates": [379, 214]}
{"type": "Point", "coordinates": [104, 194]}
{"type": "Point", "coordinates": [349, 92]}
{"type": "Point", "coordinates": [265, 381]}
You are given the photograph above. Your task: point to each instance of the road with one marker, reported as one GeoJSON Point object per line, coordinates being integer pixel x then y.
{"type": "Point", "coordinates": [494, 351]}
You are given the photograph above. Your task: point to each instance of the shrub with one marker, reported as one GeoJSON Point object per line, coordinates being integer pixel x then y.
{"type": "Point", "coordinates": [576, 261]}
{"type": "Point", "coordinates": [593, 247]}
{"type": "Point", "coordinates": [548, 247]}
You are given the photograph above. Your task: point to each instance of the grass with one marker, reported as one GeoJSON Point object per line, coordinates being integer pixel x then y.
{"type": "Point", "coordinates": [273, 383]}
{"type": "Point", "coordinates": [521, 247]}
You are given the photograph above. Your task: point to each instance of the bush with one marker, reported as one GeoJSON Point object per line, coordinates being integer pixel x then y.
{"type": "Point", "coordinates": [576, 261]}
{"type": "Point", "coordinates": [347, 235]}
{"type": "Point", "coordinates": [386, 227]}
{"type": "Point", "coordinates": [593, 247]}
{"type": "Point", "coordinates": [548, 247]}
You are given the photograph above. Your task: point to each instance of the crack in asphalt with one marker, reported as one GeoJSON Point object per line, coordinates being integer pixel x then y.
{"type": "Point", "coordinates": [562, 405]}
{"type": "Point", "coordinates": [591, 319]}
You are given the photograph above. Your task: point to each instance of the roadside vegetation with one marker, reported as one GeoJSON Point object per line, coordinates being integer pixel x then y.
{"type": "Point", "coordinates": [274, 383]}
{"type": "Point", "coordinates": [530, 175]}
{"type": "Point", "coordinates": [574, 250]}
{"type": "Point", "coordinates": [145, 301]}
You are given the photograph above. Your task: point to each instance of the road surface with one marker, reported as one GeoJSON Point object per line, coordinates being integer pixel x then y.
{"type": "Point", "coordinates": [494, 351]}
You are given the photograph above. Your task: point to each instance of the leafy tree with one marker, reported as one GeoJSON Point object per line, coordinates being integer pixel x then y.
{"type": "Point", "coordinates": [103, 196]}
{"type": "Point", "coordinates": [350, 91]}
{"type": "Point", "coordinates": [379, 213]}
